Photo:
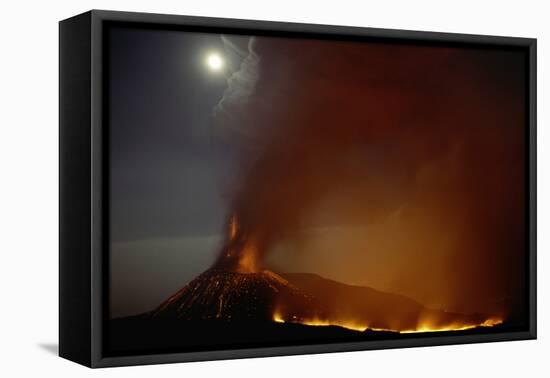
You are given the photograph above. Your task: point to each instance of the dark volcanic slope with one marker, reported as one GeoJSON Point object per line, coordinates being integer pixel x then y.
{"type": "Point", "coordinates": [375, 308]}
{"type": "Point", "coordinates": [225, 309]}
{"type": "Point", "coordinates": [223, 295]}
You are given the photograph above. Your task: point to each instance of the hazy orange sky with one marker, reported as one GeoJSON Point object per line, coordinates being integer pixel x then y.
{"type": "Point", "coordinates": [393, 166]}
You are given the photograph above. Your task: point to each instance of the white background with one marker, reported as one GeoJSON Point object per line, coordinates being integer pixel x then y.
{"type": "Point", "coordinates": [29, 186]}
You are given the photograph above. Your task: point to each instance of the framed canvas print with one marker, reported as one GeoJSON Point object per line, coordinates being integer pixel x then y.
{"type": "Point", "coordinates": [234, 188]}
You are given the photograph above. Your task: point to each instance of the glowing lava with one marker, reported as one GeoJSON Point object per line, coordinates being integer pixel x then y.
{"type": "Point", "coordinates": [423, 327]}
{"type": "Point", "coordinates": [240, 253]}
{"type": "Point", "coordinates": [233, 227]}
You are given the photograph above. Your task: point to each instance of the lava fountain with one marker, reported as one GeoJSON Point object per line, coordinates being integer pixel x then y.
{"type": "Point", "coordinates": [241, 250]}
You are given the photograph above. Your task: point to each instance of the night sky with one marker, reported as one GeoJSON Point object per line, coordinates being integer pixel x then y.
{"type": "Point", "coordinates": [398, 167]}
{"type": "Point", "coordinates": [167, 209]}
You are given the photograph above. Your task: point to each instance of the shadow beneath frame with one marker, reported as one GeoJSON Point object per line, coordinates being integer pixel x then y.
{"type": "Point", "coordinates": [52, 348]}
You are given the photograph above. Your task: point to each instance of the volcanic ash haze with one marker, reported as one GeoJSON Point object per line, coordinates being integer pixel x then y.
{"type": "Point", "coordinates": [385, 165]}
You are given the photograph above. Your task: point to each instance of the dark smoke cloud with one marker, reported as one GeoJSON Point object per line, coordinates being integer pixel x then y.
{"type": "Point", "coordinates": [341, 134]}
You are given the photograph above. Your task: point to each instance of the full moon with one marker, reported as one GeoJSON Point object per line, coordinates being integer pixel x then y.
{"type": "Point", "coordinates": [214, 61]}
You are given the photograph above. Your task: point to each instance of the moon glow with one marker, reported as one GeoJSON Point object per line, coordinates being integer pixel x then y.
{"type": "Point", "coordinates": [214, 61]}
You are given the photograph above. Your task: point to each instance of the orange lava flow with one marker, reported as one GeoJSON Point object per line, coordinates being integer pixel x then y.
{"type": "Point", "coordinates": [277, 317]}
{"type": "Point", "coordinates": [491, 322]}
{"type": "Point", "coordinates": [319, 322]}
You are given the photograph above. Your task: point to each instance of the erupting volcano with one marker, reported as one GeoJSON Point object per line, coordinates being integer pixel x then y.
{"type": "Point", "coordinates": [323, 191]}
{"type": "Point", "coordinates": [239, 300]}
{"type": "Point", "coordinates": [236, 290]}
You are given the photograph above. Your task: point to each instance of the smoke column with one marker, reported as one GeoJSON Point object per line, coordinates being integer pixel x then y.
{"type": "Point", "coordinates": [342, 134]}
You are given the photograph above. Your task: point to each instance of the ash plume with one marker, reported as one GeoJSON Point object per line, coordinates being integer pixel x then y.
{"type": "Point", "coordinates": [342, 134]}
{"type": "Point", "coordinates": [242, 81]}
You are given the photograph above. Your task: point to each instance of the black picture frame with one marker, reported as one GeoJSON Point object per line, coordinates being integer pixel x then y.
{"type": "Point", "coordinates": [84, 167]}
